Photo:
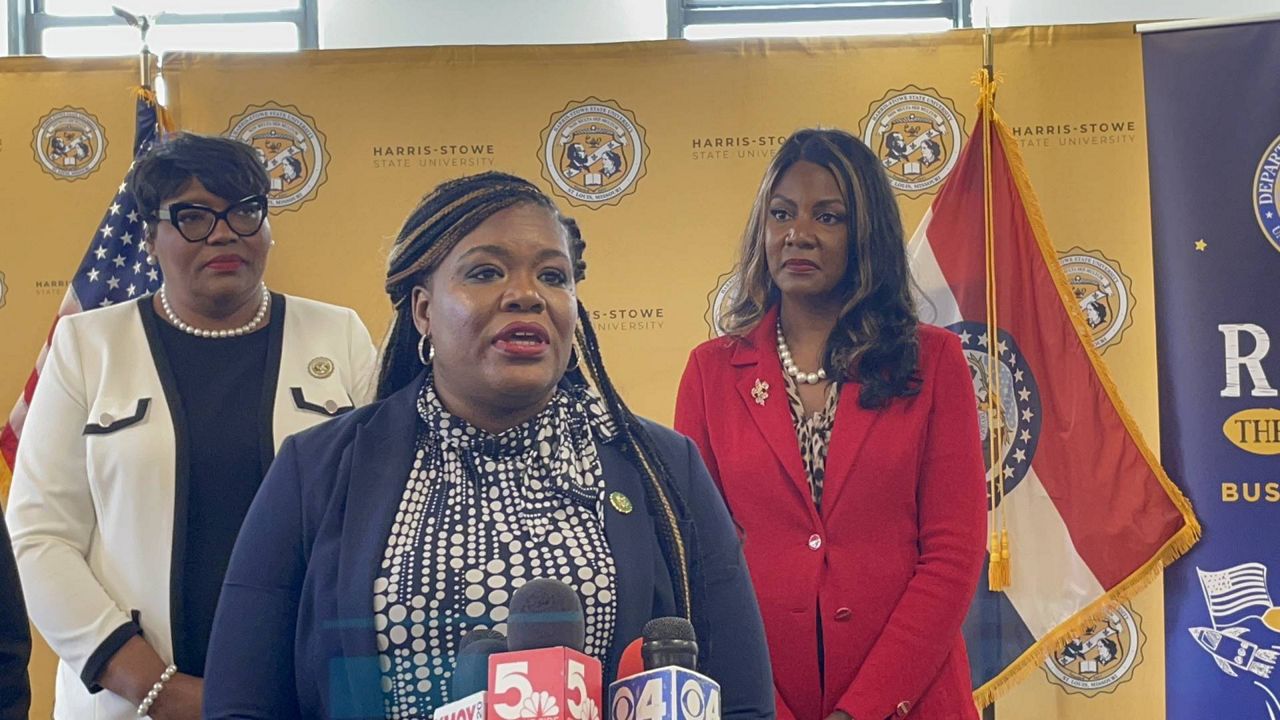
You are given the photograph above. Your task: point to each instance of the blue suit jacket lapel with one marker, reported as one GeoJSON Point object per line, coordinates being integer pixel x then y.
{"type": "Point", "coordinates": [381, 457]}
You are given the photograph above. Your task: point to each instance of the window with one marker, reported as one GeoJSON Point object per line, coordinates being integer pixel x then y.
{"type": "Point", "coordinates": [706, 19]}
{"type": "Point", "coordinates": [61, 28]}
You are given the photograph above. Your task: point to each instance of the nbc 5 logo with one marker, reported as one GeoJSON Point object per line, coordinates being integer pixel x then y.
{"type": "Point", "coordinates": [514, 679]}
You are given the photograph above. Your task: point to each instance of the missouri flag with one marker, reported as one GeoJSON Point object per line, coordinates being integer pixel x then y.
{"type": "Point", "coordinates": [1081, 513]}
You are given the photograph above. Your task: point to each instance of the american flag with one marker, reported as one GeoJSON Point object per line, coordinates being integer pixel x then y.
{"type": "Point", "coordinates": [114, 269]}
{"type": "Point", "coordinates": [1236, 594]}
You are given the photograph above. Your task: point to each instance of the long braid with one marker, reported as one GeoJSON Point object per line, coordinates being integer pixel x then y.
{"type": "Point", "coordinates": [660, 491]}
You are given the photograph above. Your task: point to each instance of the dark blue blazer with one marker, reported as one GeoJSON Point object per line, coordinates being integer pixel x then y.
{"type": "Point", "coordinates": [294, 637]}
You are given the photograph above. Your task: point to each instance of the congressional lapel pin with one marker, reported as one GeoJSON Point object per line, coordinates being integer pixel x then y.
{"type": "Point", "coordinates": [760, 392]}
{"type": "Point", "coordinates": [320, 367]}
{"type": "Point", "coordinates": [621, 503]}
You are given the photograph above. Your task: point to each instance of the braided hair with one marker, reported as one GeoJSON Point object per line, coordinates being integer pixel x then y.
{"type": "Point", "coordinates": [441, 220]}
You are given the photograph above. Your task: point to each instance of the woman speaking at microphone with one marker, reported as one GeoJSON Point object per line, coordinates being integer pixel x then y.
{"type": "Point", "coordinates": [843, 434]}
{"type": "Point", "coordinates": [379, 540]}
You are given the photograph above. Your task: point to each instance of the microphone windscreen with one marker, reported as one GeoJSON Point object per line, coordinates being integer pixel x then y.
{"type": "Point", "coordinates": [669, 641]}
{"type": "Point", "coordinates": [669, 628]}
{"type": "Point", "coordinates": [471, 671]}
{"type": "Point", "coordinates": [480, 634]}
{"type": "Point", "coordinates": [545, 613]}
{"type": "Point", "coordinates": [631, 662]}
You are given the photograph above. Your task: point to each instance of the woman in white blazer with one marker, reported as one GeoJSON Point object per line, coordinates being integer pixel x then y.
{"type": "Point", "coordinates": [153, 424]}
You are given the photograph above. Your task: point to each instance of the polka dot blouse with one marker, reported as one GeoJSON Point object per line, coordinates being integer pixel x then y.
{"type": "Point", "coordinates": [480, 515]}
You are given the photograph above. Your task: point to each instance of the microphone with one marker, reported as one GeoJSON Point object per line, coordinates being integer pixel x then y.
{"type": "Point", "coordinates": [545, 674]}
{"type": "Point", "coordinates": [545, 613]}
{"type": "Point", "coordinates": [631, 662]}
{"type": "Point", "coordinates": [669, 688]}
{"type": "Point", "coordinates": [669, 641]}
{"type": "Point", "coordinates": [470, 680]}
{"type": "Point", "coordinates": [471, 671]}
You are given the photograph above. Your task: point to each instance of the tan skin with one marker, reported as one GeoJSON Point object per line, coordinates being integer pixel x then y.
{"type": "Point", "coordinates": [515, 267]}
{"type": "Point", "coordinates": [215, 297]}
{"type": "Point", "coordinates": [807, 250]}
{"type": "Point", "coordinates": [205, 294]}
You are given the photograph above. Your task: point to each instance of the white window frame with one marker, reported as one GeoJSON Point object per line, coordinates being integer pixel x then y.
{"type": "Point", "coordinates": [682, 14]}
{"type": "Point", "coordinates": [28, 20]}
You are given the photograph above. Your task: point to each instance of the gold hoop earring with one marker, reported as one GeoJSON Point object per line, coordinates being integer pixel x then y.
{"type": "Point", "coordinates": [426, 351]}
{"type": "Point", "coordinates": [573, 361]}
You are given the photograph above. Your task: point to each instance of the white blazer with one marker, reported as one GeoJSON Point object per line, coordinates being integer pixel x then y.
{"type": "Point", "coordinates": [99, 480]}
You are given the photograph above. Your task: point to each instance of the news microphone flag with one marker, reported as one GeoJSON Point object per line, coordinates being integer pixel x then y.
{"type": "Point", "coordinates": [554, 683]}
{"type": "Point", "coordinates": [471, 707]}
{"type": "Point", "coordinates": [1090, 515]}
{"type": "Point", "coordinates": [668, 693]}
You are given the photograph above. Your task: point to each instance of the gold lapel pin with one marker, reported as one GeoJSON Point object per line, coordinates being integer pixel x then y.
{"type": "Point", "coordinates": [621, 503]}
{"type": "Point", "coordinates": [760, 392]}
{"type": "Point", "coordinates": [320, 367]}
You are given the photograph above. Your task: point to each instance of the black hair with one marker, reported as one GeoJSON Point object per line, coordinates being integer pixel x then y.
{"type": "Point", "coordinates": [227, 168]}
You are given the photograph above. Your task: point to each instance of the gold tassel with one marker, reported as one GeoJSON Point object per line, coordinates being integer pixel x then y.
{"type": "Point", "coordinates": [996, 572]}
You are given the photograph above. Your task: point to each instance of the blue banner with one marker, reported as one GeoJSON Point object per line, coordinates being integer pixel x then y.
{"type": "Point", "coordinates": [1213, 117]}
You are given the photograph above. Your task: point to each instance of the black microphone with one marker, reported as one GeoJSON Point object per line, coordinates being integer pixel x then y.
{"type": "Point", "coordinates": [670, 688]}
{"type": "Point", "coordinates": [471, 669]}
{"type": "Point", "coordinates": [545, 613]}
{"type": "Point", "coordinates": [669, 641]}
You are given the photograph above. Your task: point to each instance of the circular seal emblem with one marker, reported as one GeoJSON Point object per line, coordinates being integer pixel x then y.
{"type": "Point", "coordinates": [69, 143]}
{"type": "Point", "coordinates": [1100, 658]}
{"type": "Point", "coordinates": [320, 367]}
{"type": "Point", "coordinates": [917, 134]}
{"type": "Point", "coordinates": [621, 503]}
{"type": "Point", "coordinates": [593, 153]}
{"type": "Point", "coordinates": [718, 303]}
{"type": "Point", "coordinates": [1264, 193]}
{"type": "Point", "coordinates": [1018, 409]}
{"type": "Point", "coordinates": [291, 147]}
{"type": "Point", "coordinates": [1104, 292]}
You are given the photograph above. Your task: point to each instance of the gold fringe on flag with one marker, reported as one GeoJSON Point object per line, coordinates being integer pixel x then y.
{"type": "Point", "coordinates": [1175, 546]}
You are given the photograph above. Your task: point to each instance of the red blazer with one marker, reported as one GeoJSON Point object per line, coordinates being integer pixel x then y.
{"type": "Point", "coordinates": [894, 558]}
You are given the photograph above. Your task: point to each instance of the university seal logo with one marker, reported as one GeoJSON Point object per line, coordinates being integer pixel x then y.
{"type": "Point", "coordinates": [1100, 658]}
{"type": "Point", "coordinates": [1264, 193]}
{"type": "Point", "coordinates": [292, 148]}
{"type": "Point", "coordinates": [593, 152]}
{"type": "Point", "coordinates": [718, 302]}
{"type": "Point", "coordinates": [1104, 292]}
{"type": "Point", "coordinates": [69, 143]}
{"type": "Point", "coordinates": [1018, 410]}
{"type": "Point", "coordinates": [917, 135]}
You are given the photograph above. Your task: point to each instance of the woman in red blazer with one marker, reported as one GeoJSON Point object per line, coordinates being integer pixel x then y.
{"type": "Point", "coordinates": [843, 434]}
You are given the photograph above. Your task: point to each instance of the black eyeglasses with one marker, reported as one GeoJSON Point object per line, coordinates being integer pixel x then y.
{"type": "Point", "coordinates": [195, 222]}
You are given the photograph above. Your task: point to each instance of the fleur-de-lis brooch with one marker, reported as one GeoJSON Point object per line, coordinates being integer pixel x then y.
{"type": "Point", "coordinates": [760, 392]}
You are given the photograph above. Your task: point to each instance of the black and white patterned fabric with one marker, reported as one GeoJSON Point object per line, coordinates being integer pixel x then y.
{"type": "Point", "coordinates": [480, 515]}
{"type": "Point", "coordinates": [813, 433]}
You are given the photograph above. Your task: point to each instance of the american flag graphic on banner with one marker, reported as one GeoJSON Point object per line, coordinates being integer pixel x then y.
{"type": "Point", "coordinates": [1236, 594]}
{"type": "Point", "coordinates": [115, 269]}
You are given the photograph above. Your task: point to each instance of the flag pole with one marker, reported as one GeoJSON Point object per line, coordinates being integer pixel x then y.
{"type": "Point", "coordinates": [142, 24]}
{"type": "Point", "coordinates": [999, 574]}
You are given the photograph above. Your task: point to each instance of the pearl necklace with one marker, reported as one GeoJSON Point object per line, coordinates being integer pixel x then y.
{"type": "Point", "coordinates": [233, 332]}
{"type": "Point", "coordinates": [789, 364]}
